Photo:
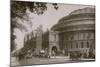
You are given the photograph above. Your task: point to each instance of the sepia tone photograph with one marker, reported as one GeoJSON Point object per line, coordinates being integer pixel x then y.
{"type": "Point", "coordinates": [51, 33]}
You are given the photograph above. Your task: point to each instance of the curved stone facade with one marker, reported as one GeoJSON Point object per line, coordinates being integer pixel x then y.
{"type": "Point", "coordinates": [77, 31]}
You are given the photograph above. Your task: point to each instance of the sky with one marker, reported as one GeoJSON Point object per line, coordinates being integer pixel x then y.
{"type": "Point", "coordinates": [47, 20]}
{"type": "Point", "coordinates": [52, 16]}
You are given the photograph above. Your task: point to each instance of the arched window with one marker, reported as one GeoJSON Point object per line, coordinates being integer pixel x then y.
{"type": "Point", "coordinates": [87, 44]}
{"type": "Point", "coordinates": [88, 35]}
{"type": "Point", "coordinates": [76, 45]}
{"type": "Point", "coordinates": [71, 45]}
{"type": "Point", "coordinates": [82, 45]}
{"type": "Point", "coordinates": [71, 37]}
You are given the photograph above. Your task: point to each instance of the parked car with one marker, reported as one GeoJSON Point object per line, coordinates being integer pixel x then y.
{"type": "Point", "coordinates": [75, 55]}
{"type": "Point", "coordinates": [43, 54]}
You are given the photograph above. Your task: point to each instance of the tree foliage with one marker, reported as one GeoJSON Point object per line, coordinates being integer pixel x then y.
{"type": "Point", "coordinates": [18, 10]}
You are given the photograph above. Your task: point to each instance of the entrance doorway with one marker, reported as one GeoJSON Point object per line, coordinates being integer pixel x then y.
{"type": "Point", "coordinates": [54, 50]}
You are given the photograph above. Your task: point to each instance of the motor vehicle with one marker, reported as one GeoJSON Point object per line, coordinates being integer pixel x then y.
{"type": "Point", "coordinates": [75, 55]}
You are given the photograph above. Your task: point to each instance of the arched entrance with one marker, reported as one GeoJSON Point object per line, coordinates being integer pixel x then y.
{"type": "Point", "coordinates": [54, 50]}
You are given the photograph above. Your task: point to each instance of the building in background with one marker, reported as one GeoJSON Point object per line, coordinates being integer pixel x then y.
{"type": "Point", "coordinates": [53, 42]}
{"type": "Point", "coordinates": [73, 33]}
{"type": "Point", "coordinates": [77, 31]}
{"type": "Point", "coordinates": [38, 34]}
{"type": "Point", "coordinates": [29, 42]}
{"type": "Point", "coordinates": [50, 41]}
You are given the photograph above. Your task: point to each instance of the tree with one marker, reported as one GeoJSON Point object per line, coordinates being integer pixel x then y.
{"type": "Point", "coordinates": [18, 10]}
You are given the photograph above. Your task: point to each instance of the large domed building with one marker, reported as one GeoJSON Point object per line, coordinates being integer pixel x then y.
{"type": "Point", "coordinates": [77, 31]}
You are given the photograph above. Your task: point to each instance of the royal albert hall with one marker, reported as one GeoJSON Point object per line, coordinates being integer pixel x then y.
{"type": "Point", "coordinates": [77, 31]}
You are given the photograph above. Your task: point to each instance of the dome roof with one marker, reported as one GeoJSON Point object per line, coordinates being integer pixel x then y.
{"type": "Point", "coordinates": [76, 15]}
{"type": "Point", "coordinates": [79, 12]}
{"type": "Point", "coordinates": [84, 10]}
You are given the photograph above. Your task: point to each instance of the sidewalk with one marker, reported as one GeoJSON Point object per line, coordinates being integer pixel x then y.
{"type": "Point", "coordinates": [87, 59]}
{"type": "Point", "coordinates": [66, 57]}
{"type": "Point", "coordinates": [14, 61]}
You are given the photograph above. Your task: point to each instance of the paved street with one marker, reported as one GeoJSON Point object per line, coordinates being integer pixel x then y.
{"type": "Point", "coordinates": [35, 61]}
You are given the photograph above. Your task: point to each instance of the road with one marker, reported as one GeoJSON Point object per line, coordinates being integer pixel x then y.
{"type": "Point", "coordinates": [35, 61]}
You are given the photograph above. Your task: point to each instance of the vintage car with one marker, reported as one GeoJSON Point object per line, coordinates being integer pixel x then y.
{"type": "Point", "coordinates": [43, 54]}
{"type": "Point", "coordinates": [75, 55]}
